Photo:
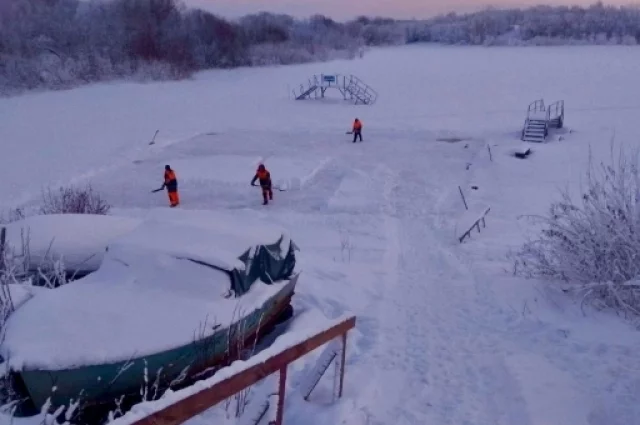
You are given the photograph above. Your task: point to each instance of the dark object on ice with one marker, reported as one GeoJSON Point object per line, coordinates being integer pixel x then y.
{"type": "Point", "coordinates": [474, 187]}
{"type": "Point", "coordinates": [452, 140]}
{"type": "Point", "coordinates": [153, 141]}
{"type": "Point", "coordinates": [523, 153]}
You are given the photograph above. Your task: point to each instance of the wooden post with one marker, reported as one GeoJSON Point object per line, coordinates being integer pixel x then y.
{"type": "Point", "coordinates": [3, 237]}
{"type": "Point", "coordinates": [463, 200]}
{"type": "Point", "coordinates": [343, 358]}
{"type": "Point", "coordinates": [194, 404]}
{"type": "Point", "coordinates": [281, 390]}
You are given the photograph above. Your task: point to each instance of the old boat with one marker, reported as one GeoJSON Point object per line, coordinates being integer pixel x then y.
{"type": "Point", "coordinates": [170, 300]}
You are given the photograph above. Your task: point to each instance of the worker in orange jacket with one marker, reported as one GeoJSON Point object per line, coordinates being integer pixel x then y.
{"type": "Point", "coordinates": [357, 130]}
{"type": "Point", "coordinates": [171, 183]}
{"type": "Point", "coordinates": [263, 175]}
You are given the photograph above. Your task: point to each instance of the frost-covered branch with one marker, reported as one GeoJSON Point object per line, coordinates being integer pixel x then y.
{"type": "Point", "coordinates": [539, 25]}
{"type": "Point", "coordinates": [73, 200]}
{"type": "Point", "coordinates": [63, 43]}
{"type": "Point", "coordinates": [592, 244]}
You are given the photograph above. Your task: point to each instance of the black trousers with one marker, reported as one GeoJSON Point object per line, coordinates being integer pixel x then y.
{"type": "Point", "coordinates": [267, 193]}
{"type": "Point", "coordinates": [356, 134]}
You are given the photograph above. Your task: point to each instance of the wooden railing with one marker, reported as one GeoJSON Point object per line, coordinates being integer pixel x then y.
{"type": "Point", "coordinates": [195, 404]}
{"type": "Point", "coordinates": [475, 224]}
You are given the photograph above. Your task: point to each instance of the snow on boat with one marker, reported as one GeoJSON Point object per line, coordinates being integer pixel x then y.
{"type": "Point", "coordinates": [76, 240]}
{"type": "Point", "coordinates": [168, 301]}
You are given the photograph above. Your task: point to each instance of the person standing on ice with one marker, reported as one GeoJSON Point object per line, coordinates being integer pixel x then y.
{"type": "Point", "coordinates": [171, 183]}
{"type": "Point", "coordinates": [264, 177]}
{"type": "Point", "coordinates": [357, 130]}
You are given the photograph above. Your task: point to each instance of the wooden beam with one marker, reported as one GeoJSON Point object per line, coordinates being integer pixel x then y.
{"type": "Point", "coordinates": [197, 403]}
{"type": "Point", "coordinates": [343, 359]}
{"type": "Point", "coordinates": [3, 239]}
{"type": "Point", "coordinates": [282, 387]}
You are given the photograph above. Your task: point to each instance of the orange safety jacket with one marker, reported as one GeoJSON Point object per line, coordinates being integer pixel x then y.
{"type": "Point", "coordinates": [170, 181]}
{"type": "Point", "coordinates": [264, 176]}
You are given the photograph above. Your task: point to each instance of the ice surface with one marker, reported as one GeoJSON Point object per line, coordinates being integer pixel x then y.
{"type": "Point", "coordinates": [356, 191]}
{"type": "Point", "coordinates": [221, 168]}
{"type": "Point", "coordinates": [442, 326]}
{"type": "Point", "coordinates": [286, 172]}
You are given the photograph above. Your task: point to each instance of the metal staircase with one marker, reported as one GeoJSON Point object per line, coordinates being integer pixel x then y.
{"type": "Point", "coordinates": [540, 119]}
{"type": "Point", "coordinates": [359, 91]}
{"type": "Point", "coordinates": [556, 114]}
{"type": "Point", "coordinates": [350, 86]}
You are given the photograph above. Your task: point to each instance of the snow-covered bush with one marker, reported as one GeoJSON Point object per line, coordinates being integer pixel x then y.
{"type": "Point", "coordinates": [592, 244]}
{"type": "Point", "coordinates": [72, 200]}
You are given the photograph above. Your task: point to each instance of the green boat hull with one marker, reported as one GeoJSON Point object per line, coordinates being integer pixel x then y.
{"type": "Point", "coordinates": [103, 384]}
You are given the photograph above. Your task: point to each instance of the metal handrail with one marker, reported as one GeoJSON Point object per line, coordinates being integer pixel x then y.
{"type": "Point", "coordinates": [353, 84]}
{"type": "Point", "coordinates": [558, 108]}
{"type": "Point", "coordinates": [536, 106]}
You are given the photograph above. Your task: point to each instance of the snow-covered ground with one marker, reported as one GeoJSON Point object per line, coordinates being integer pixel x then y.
{"type": "Point", "coordinates": [446, 334]}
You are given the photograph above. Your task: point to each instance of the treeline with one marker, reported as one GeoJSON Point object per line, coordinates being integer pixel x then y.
{"type": "Point", "coordinates": [541, 25]}
{"type": "Point", "coordinates": [63, 43]}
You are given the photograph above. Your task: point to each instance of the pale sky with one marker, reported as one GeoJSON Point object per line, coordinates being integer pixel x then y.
{"type": "Point", "coordinates": [346, 9]}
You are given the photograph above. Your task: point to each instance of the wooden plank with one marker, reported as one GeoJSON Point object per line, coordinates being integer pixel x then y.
{"type": "Point", "coordinates": [282, 386]}
{"type": "Point", "coordinates": [3, 237]}
{"type": "Point", "coordinates": [197, 403]}
{"type": "Point", "coordinates": [343, 359]}
{"type": "Point", "coordinates": [476, 225]}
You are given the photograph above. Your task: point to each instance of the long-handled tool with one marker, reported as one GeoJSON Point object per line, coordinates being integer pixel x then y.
{"type": "Point", "coordinates": [158, 190]}
{"type": "Point", "coordinates": [153, 141]}
{"type": "Point", "coordinates": [278, 188]}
